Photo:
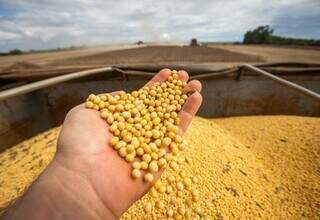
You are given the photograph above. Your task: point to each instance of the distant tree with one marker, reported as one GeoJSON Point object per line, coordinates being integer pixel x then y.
{"type": "Point", "coordinates": [15, 52]}
{"type": "Point", "coordinates": [264, 35]}
{"type": "Point", "coordinates": [258, 35]}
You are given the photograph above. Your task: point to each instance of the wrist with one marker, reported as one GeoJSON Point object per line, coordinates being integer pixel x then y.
{"type": "Point", "coordinates": [60, 193]}
{"type": "Point", "coordinates": [98, 177]}
{"type": "Point", "coordinates": [72, 194]}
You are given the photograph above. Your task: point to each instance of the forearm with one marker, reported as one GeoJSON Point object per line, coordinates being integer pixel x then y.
{"type": "Point", "coordinates": [59, 194]}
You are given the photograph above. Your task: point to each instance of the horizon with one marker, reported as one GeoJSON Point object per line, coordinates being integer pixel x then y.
{"type": "Point", "coordinates": [145, 43]}
{"type": "Point", "coordinates": [30, 25]}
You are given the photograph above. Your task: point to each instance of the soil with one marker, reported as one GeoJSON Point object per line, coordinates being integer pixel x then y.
{"type": "Point", "coordinates": [163, 54]}
{"type": "Point", "coordinates": [20, 67]}
{"type": "Point", "coordinates": [276, 53]}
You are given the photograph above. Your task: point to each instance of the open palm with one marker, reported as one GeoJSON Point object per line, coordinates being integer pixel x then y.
{"type": "Point", "coordinates": [83, 149]}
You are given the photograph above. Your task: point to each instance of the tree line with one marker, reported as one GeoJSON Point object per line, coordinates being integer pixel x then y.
{"type": "Point", "coordinates": [264, 35]}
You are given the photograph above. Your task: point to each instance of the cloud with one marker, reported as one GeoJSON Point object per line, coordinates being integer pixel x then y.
{"type": "Point", "coordinates": [33, 24]}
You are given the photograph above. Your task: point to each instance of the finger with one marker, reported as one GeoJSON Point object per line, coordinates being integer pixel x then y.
{"type": "Point", "coordinates": [192, 86]}
{"type": "Point", "coordinates": [160, 77]}
{"type": "Point", "coordinates": [116, 92]}
{"type": "Point", "coordinates": [189, 110]}
{"type": "Point", "coordinates": [111, 93]}
{"type": "Point", "coordinates": [183, 75]}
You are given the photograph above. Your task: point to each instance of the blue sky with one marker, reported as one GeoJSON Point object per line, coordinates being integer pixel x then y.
{"type": "Point", "coordinates": [41, 24]}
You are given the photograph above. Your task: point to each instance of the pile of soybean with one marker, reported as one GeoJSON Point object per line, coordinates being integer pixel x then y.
{"type": "Point", "coordinates": [264, 167]}
{"type": "Point", "coordinates": [145, 127]}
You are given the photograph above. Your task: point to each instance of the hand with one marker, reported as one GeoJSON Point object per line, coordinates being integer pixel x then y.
{"type": "Point", "coordinates": [84, 149]}
{"type": "Point", "coordinates": [92, 171]}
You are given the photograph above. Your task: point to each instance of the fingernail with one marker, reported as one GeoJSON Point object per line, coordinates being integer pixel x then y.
{"type": "Point", "coordinates": [189, 93]}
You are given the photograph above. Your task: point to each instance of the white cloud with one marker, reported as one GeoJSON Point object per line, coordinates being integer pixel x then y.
{"type": "Point", "coordinates": [8, 35]}
{"type": "Point", "coordinates": [54, 23]}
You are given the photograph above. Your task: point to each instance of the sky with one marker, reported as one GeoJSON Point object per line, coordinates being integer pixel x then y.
{"type": "Point", "coordinates": [43, 24]}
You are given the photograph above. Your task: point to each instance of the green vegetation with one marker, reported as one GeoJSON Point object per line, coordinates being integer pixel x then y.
{"type": "Point", "coordinates": [264, 35]}
{"type": "Point", "coordinates": [12, 52]}
{"type": "Point", "coordinates": [15, 52]}
{"type": "Point", "coordinates": [18, 51]}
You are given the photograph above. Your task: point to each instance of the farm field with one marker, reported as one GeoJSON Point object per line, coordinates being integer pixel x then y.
{"type": "Point", "coordinates": [163, 54]}
{"type": "Point", "coordinates": [48, 57]}
{"type": "Point", "coordinates": [276, 53]}
{"type": "Point", "coordinates": [225, 55]}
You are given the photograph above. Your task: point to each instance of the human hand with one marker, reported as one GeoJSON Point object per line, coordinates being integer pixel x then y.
{"type": "Point", "coordinates": [84, 148]}
{"type": "Point", "coordinates": [92, 180]}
